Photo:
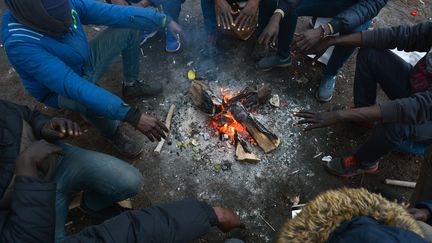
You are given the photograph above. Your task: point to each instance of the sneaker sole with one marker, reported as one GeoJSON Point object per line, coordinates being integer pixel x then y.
{"type": "Point", "coordinates": [359, 172]}
{"type": "Point", "coordinates": [322, 100]}
{"type": "Point", "coordinates": [173, 51]}
{"type": "Point", "coordinates": [270, 68]}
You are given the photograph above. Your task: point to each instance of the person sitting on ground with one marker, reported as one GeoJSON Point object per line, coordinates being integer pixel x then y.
{"type": "Point", "coordinates": [30, 138]}
{"type": "Point", "coordinates": [351, 215]}
{"type": "Point", "coordinates": [32, 215]}
{"type": "Point", "coordinates": [278, 20]}
{"type": "Point", "coordinates": [219, 14]}
{"type": "Point", "coordinates": [46, 44]}
{"type": "Point", "coordinates": [401, 119]}
{"type": "Point", "coordinates": [171, 7]}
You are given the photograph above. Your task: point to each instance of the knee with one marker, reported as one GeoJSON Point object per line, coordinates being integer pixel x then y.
{"type": "Point", "coordinates": [132, 181]}
{"type": "Point", "coordinates": [395, 132]}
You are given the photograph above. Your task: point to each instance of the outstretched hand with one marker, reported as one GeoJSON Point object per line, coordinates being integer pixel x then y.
{"type": "Point", "coordinates": [153, 128]}
{"type": "Point", "coordinates": [317, 119]}
{"type": "Point", "coordinates": [271, 31]}
{"type": "Point", "coordinates": [227, 219]}
{"type": "Point", "coordinates": [247, 16]}
{"type": "Point", "coordinates": [224, 14]}
{"type": "Point", "coordinates": [58, 128]}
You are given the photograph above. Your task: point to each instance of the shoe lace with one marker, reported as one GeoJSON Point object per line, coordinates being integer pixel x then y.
{"type": "Point", "coordinates": [350, 161]}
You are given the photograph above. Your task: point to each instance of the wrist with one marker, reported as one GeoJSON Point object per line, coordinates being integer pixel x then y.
{"type": "Point", "coordinates": [276, 18]}
{"type": "Point", "coordinates": [133, 117]}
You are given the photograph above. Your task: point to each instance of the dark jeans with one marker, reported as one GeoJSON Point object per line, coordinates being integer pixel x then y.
{"type": "Point", "coordinates": [392, 74]}
{"type": "Point", "coordinates": [318, 8]}
{"type": "Point", "coordinates": [209, 15]}
{"type": "Point", "coordinates": [105, 48]}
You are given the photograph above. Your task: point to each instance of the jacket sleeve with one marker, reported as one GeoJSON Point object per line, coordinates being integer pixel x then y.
{"type": "Point", "coordinates": [32, 214]}
{"type": "Point", "coordinates": [404, 37]}
{"type": "Point", "coordinates": [357, 14]}
{"type": "Point", "coordinates": [415, 109]}
{"type": "Point", "coordinates": [58, 77]}
{"type": "Point", "coordinates": [181, 221]}
{"type": "Point", "coordinates": [35, 118]}
{"type": "Point", "coordinates": [286, 5]}
{"type": "Point", "coordinates": [99, 13]}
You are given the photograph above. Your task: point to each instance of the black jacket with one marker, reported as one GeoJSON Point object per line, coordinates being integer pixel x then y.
{"type": "Point", "coordinates": [359, 13]}
{"type": "Point", "coordinates": [11, 123]}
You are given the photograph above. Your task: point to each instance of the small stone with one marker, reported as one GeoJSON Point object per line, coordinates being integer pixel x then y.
{"type": "Point", "coordinates": [327, 158]}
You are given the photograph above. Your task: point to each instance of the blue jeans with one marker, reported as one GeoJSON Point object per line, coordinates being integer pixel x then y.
{"type": "Point", "coordinates": [105, 48]}
{"type": "Point", "coordinates": [318, 8]}
{"type": "Point", "coordinates": [104, 180]}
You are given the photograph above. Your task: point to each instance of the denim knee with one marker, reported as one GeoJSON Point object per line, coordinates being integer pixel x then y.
{"type": "Point", "coordinates": [395, 132]}
{"type": "Point", "coordinates": [132, 182]}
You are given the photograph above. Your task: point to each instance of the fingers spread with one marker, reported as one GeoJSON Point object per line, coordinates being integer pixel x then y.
{"type": "Point", "coordinates": [161, 125]}
{"type": "Point", "coordinates": [149, 136]}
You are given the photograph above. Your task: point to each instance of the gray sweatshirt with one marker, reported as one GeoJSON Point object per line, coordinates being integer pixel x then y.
{"type": "Point", "coordinates": [418, 108]}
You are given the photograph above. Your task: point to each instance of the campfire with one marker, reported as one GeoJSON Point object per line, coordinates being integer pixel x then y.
{"type": "Point", "coordinates": [230, 115]}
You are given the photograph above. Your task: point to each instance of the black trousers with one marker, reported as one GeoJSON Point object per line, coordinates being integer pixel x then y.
{"type": "Point", "coordinates": [391, 73]}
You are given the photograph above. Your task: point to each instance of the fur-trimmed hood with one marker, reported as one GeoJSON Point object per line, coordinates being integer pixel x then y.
{"type": "Point", "coordinates": [330, 209]}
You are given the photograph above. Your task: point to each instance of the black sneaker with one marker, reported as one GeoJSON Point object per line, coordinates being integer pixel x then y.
{"type": "Point", "coordinates": [267, 63]}
{"type": "Point", "coordinates": [125, 145]}
{"type": "Point", "coordinates": [141, 88]}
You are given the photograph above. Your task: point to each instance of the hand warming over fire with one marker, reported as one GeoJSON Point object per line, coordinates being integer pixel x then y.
{"type": "Point", "coordinates": [152, 127]}
{"type": "Point", "coordinates": [317, 119]}
{"type": "Point", "coordinates": [247, 16]}
{"type": "Point", "coordinates": [224, 14]}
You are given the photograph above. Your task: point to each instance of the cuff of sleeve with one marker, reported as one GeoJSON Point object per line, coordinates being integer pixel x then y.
{"type": "Point", "coordinates": [133, 116]}
{"type": "Point", "coordinates": [166, 20]}
{"type": "Point", "coordinates": [426, 205]}
{"type": "Point", "coordinates": [28, 183]}
{"type": "Point", "coordinates": [337, 25]}
{"type": "Point", "coordinates": [388, 112]}
{"type": "Point", "coordinates": [212, 217]}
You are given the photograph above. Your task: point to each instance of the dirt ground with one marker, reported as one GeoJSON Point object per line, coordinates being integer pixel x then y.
{"type": "Point", "coordinates": [208, 170]}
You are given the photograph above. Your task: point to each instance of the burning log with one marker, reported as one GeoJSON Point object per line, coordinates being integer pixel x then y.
{"type": "Point", "coordinates": [230, 115]}
{"type": "Point", "coordinates": [242, 151]}
{"type": "Point", "coordinates": [265, 139]}
{"type": "Point", "coordinates": [203, 98]}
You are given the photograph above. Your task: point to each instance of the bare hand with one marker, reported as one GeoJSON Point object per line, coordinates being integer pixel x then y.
{"type": "Point", "coordinates": [247, 16]}
{"type": "Point", "coordinates": [271, 31]}
{"type": "Point", "coordinates": [319, 49]}
{"type": "Point", "coordinates": [227, 219]}
{"type": "Point", "coordinates": [119, 2]}
{"type": "Point", "coordinates": [58, 128]}
{"type": "Point", "coordinates": [175, 29]}
{"type": "Point", "coordinates": [317, 119]}
{"type": "Point", "coordinates": [32, 157]}
{"type": "Point", "coordinates": [152, 127]}
{"type": "Point", "coordinates": [224, 14]}
{"type": "Point", "coordinates": [305, 41]}
{"type": "Point", "coordinates": [421, 214]}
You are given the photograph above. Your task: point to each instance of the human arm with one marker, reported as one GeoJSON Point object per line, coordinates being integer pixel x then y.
{"type": "Point", "coordinates": [359, 13]}
{"type": "Point", "coordinates": [31, 217]}
{"type": "Point", "coordinates": [181, 221]}
{"type": "Point", "coordinates": [422, 211]}
{"type": "Point", "coordinates": [413, 110]}
{"type": "Point", "coordinates": [404, 37]}
{"type": "Point", "coordinates": [99, 13]}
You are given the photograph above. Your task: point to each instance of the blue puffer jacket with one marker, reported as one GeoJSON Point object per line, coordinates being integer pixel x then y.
{"type": "Point", "coordinates": [53, 66]}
